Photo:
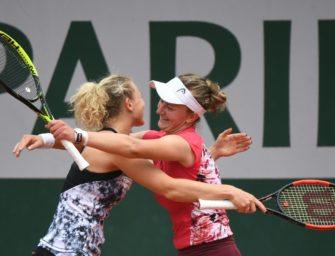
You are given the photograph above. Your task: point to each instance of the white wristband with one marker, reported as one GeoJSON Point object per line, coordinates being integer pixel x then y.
{"type": "Point", "coordinates": [48, 140]}
{"type": "Point", "coordinates": [81, 136]}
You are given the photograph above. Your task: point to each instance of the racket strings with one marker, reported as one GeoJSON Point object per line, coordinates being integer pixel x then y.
{"type": "Point", "coordinates": [309, 203]}
{"type": "Point", "coordinates": [16, 74]}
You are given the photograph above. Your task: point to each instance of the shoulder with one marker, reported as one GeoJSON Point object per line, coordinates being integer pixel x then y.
{"type": "Point", "coordinates": [152, 134]}
{"type": "Point", "coordinates": [191, 136]}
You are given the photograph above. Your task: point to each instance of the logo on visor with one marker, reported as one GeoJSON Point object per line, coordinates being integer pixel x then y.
{"type": "Point", "coordinates": [182, 90]}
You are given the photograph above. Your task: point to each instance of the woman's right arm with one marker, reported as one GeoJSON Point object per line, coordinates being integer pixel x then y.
{"type": "Point", "coordinates": [184, 190]}
{"type": "Point", "coordinates": [168, 148]}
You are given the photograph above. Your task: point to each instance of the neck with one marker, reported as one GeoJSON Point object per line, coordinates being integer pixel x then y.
{"type": "Point", "coordinates": [109, 129]}
{"type": "Point", "coordinates": [120, 125]}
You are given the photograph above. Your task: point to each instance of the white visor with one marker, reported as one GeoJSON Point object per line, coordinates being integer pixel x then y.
{"type": "Point", "coordinates": [175, 92]}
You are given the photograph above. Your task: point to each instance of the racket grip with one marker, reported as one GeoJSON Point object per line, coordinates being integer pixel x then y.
{"type": "Point", "coordinates": [77, 157]}
{"type": "Point", "coordinates": [216, 204]}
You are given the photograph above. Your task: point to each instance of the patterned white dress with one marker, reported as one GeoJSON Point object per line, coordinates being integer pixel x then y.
{"type": "Point", "coordinates": [84, 204]}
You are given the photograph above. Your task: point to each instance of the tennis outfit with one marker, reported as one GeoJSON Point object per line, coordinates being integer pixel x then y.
{"type": "Point", "coordinates": [195, 229]}
{"type": "Point", "coordinates": [85, 202]}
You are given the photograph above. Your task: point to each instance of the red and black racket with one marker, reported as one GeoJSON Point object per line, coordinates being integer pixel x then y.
{"type": "Point", "coordinates": [309, 203]}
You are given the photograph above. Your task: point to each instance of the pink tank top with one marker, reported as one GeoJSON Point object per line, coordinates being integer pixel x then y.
{"type": "Point", "coordinates": [192, 226]}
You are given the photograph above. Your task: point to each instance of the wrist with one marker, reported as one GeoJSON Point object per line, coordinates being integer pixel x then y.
{"type": "Point", "coordinates": [81, 136]}
{"type": "Point", "coordinates": [229, 191]}
{"type": "Point", "coordinates": [213, 152]}
{"type": "Point", "coordinates": [48, 140]}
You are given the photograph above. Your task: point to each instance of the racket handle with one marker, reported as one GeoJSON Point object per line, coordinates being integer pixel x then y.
{"type": "Point", "coordinates": [77, 157]}
{"type": "Point", "coordinates": [216, 204]}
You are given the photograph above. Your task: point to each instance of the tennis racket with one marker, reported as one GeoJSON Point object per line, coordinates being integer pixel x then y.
{"type": "Point", "coordinates": [20, 79]}
{"type": "Point", "coordinates": [309, 203]}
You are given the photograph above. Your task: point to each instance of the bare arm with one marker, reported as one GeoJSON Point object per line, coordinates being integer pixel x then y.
{"type": "Point", "coordinates": [138, 135]}
{"type": "Point", "coordinates": [169, 148]}
{"type": "Point", "coordinates": [31, 142]}
{"type": "Point", "coordinates": [183, 190]}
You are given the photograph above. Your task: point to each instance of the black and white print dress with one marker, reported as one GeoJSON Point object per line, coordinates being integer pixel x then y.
{"type": "Point", "coordinates": [85, 202]}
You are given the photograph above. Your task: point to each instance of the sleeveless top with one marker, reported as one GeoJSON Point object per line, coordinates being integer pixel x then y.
{"type": "Point", "coordinates": [84, 204]}
{"type": "Point", "coordinates": [192, 226]}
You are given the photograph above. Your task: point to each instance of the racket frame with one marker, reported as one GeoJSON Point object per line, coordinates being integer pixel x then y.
{"type": "Point", "coordinates": [228, 205]}
{"type": "Point", "coordinates": [47, 116]}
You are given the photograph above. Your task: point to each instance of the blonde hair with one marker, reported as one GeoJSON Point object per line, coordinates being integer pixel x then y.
{"type": "Point", "coordinates": [95, 103]}
{"type": "Point", "coordinates": [206, 92]}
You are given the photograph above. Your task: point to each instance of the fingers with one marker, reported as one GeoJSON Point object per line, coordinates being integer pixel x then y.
{"type": "Point", "coordinates": [28, 141]}
{"type": "Point", "coordinates": [226, 132]}
{"type": "Point", "coordinates": [19, 147]}
{"type": "Point", "coordinates": [246, 202]}
{"type": "Point", "coordinates": [248, 208]}
{"type": "Point", "coordinates": [228, 144]}
{"type": "Point", "coordinates": [241, 147]}
{"type": "Point", "coordinates": [152, 85]}
{"type": "Point", "coordinates": [61, 130]}
{"type": "Point", "coordinates": [241, 138]}
{"type": "Point", "coordinates": [242, 141]}
{"type": "Point", "coordinates": [260, 206]}
{"type": "Point", "coordinates": [17, 150]}
{"type": "Point", "coordinates": [55, 126]}
{"type": "Point", "coordinates": [252, 207]}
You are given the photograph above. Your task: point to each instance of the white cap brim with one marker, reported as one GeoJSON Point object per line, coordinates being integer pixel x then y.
{"type": "Point", "coordinates": [166, 91]}
{"type": "Point", "coordinates": [175, 92]}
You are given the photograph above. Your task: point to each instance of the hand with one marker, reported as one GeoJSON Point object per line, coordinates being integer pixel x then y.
{"type": "Point", "coordinates": [246, 202]}
{"type": "Point", "coordinates": [28, 141]}
{"type": "Point", "coordinates": [61, 130]}
{"type": "Point", "coordinates": [228, 144]}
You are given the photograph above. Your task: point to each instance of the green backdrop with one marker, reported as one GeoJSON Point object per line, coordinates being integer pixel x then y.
{"type": "Point", "coordinates": [139, 226]}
